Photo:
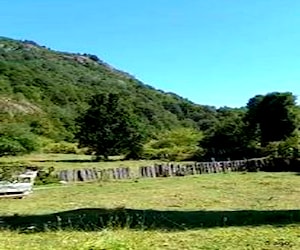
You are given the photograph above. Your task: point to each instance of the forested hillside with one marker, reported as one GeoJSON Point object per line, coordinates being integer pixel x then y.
{"type": "Point", "coordinates": [43, 93]}
{"type": "Point", "coordinates": [57, 86]}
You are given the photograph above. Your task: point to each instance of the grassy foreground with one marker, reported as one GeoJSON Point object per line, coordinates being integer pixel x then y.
{"type": "Point", "coordinates": [217, 211]}
{"type": "Point", "coordinates": [265, 237]}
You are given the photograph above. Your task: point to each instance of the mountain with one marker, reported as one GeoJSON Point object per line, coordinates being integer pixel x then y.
{"type": "Point", "coordinates": [48, 90]}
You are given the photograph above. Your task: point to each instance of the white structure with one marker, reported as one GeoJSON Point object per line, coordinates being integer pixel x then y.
{"type": "Point", "coordinates": [19, 188]}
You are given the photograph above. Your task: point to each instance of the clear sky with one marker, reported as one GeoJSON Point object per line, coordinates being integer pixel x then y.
{"type": "Point", "coordinates": [213, 52]}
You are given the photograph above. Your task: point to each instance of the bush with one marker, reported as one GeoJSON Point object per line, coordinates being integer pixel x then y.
{"type": "Point", "coordinates": [171, 154]}
{"type": "Point", "coordinates": [46, 176]}
{"type": "Point", "coordinates": [7, 172]}
{"type": "Point", "coordinates": [61, 148]}
{"type": "Point", "coordinates": [16, 139]}
{"type": "Point", "coordinates": [9, 146]}
{"type": "Point", "coordinates": [176, 145]}
{"type": "Point", "coordinates": [288, 148]}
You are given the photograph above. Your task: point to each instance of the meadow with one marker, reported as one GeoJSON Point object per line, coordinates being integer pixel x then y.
{"type": "Point", "coordinates": [71, 161]}
{"type": "Point", "coordinates": [212, 211]}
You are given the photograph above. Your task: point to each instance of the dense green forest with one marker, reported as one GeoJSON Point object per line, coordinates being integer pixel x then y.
{"type": "Point", "coordinates": [47, 96]}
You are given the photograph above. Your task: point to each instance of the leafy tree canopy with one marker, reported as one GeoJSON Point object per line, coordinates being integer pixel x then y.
{"type": "Point", "coordinates": [108, 128]}
{"type": "Point", "coordinates": [272, 117]}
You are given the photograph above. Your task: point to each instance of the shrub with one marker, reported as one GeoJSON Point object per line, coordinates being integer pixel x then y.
{"type": "Point", "coordinates": [288, 148]}
{"type": "Point", "coordinates": [46, 176]}
{"type": "Point", "coordinates": [9, 146]}
{"type": "Point", "coordinates": [179, 144]}
{"type": "Point", "coordinates": [61, 148]}
{"type": "Point", "coordinates": [7, 172]}
{"type": "Point", "coordinates": [16, 139]}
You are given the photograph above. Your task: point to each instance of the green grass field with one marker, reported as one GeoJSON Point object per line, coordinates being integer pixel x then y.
{"type": "Point", "coordinates": [216, 211]}
{"type": "Point", "coordinates": [70, 161]}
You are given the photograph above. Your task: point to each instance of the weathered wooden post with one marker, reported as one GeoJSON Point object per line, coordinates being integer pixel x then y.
{"type": "Point", "coordinates": [141, 171]}
{"type": "Point", "coordinates": [169, 169]}
{"type": "Point", "coordinates": [193, 168]}
{"type": "Point", "coordinates": [172, 169]}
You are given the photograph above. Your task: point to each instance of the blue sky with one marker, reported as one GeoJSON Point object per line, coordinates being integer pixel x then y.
{"type": "Point", "coordinates": [216, 52]}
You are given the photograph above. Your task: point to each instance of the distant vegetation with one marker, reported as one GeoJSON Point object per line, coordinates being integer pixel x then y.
{"type": "Point", "coordinates": [48, 97]}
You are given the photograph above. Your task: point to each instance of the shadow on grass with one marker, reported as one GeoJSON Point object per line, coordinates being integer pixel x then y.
{"type": "Point", "coordinates": [93, 219]}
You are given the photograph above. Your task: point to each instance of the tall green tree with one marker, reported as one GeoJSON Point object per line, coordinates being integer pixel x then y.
{"type": "Point", "coordinates": [227, 138]}
{"type": "Point", "coordinates": [272, 117]}
{"type": "Point", "coordinates": [109, 128]}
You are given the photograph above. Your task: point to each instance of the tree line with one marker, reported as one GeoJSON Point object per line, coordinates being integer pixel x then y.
{"type": "Point", "coordinates": [268, 125]}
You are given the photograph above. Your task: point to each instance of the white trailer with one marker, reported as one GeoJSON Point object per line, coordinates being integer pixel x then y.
{"type": "Point", "coordinates": [18, 188]}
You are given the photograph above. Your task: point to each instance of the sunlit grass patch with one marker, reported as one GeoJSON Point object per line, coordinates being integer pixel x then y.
{"type": "Point", "coordinates": [217, 211]}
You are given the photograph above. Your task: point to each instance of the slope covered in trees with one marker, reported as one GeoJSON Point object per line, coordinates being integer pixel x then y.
{"type": "Point", "coordinates": [58, 87]}
{"type": "Point", "coordinates": [47, 95]}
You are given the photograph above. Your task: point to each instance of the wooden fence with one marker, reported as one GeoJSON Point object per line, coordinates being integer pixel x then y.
{"type": "Point", "coordinates": [75, 175]}
{"type": "Point", "coordinates": [164, 170]}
